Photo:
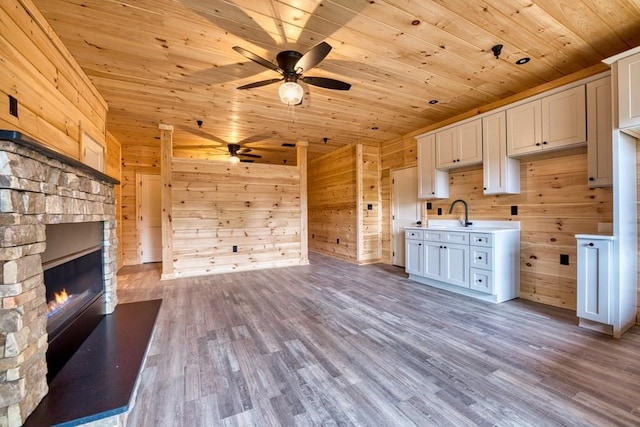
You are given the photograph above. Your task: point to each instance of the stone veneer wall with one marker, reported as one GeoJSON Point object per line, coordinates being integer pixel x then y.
{"type": "Point", "coordinates": [36, 190]}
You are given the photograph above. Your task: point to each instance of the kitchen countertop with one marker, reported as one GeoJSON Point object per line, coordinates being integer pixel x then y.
{"type": "Point", "coordinates": [476, 227]}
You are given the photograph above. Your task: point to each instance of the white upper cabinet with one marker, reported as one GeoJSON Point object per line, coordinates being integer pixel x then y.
{"type": "Point", "coordinates": [552, 122]}
{"type": "Point", "coordinates": [459, 145]}
{"type": "Point", "coordinates": [626, 86]}
{"type": "Point", "coordinates": [629, 91]}
{"type": "Point", "coordinates": [599, 133]}
{"type": "Point", "coordinates": [432, 183]}
{"type": "Point", "coordinates": [501, 173]}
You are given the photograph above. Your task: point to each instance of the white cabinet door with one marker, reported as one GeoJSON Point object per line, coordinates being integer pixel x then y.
{"type": "Point", "coordinates": [433, 260]}
{"type": "Point", "coordinates": [599, 133]}
{"type": "Point", "coordinates": [501, 173]}
{"type": "Point", "coordinates": [564, 120]}
{"type": "Point", "coordinates": [594, 269]}
{"type": "Point", "coordinates": [414, 257]}
{"type": "Point", "coordinates": [629, 91]}
{"type": "Point", "coordinates": [460, 145]}
{"type": "Point", "coordinates": [553, 122]}
{"type": "Point", "coordinates": [446, 148]}
{"type": "Point", "coordinates": [524, 128]}
{"type": "Point", "coordinates": [469, 143]}
{"type": "Point", "coordinates": [432, 183]}
{"type": "Point", "coordinates": [455, 264]}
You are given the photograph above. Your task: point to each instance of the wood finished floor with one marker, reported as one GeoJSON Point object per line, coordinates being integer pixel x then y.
{"type": "Point", "coordinates": [337, 344]}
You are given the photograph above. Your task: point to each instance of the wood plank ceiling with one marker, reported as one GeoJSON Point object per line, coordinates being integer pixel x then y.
{"type": "Point", "coordinates": [171, 61]}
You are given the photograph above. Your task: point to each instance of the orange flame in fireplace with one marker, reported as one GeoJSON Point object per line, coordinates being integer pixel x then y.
{"type": "Point", "coordinates": [59, 298]}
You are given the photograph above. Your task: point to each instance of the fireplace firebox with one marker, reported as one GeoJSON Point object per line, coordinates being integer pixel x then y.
{"type": "Point", "coordinates": [74, 286]}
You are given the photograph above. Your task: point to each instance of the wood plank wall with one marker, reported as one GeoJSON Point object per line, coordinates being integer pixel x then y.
{"type": "Point", "coordinates": [332, 202]}
{"type": "Point", "coordinates": [56, 100]}
{"type": "Point", "coordinates": [555, 204]}
{"type": "Point", "coordinates": [370, 203]}
{"type": "Point", "coordinates": [217, 206]}
{"type": "Point", "coordinates": [137, 157]}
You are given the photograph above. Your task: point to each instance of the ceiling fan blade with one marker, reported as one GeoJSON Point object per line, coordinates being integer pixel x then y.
{"type": "Point", "coordinates": [326, 83]}
{"type": "Point", "coordinates": [257, 59]}
{"type": "Point", "coordinates": [244, 150]}
{"type": "Point", "coordinates": [253, 156]}
{"type": "Point", "coordinates": [313, 57]}
{"type": "Point", "coordinates": [260, 83]}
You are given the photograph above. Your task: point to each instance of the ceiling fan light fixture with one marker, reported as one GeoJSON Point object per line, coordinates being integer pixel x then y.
{"type": "Point", "coordinates": [233, 159]}
{"type": "Point", "coordinates": [291, 93]}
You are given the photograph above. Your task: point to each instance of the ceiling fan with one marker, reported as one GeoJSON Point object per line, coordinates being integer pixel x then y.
{"type": "Point", "coordinates": [292, 65]}
{"type": "Point", "coordinates": [236, 150]}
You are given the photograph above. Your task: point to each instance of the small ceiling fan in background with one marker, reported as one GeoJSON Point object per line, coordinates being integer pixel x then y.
{"type": "Point", "coordinates": [292, 65]}
{"type": "Point", "coordinates": [235, 150]}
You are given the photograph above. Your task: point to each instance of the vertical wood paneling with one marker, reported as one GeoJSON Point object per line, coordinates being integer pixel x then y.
{"type": "Point", "coordinates": [217, 206]}
{"type": "Point", "coordinates": [137, 157]}
{"type": "Point", "coordinates": [301, 164]}
{"type": "Point", "coordinates": [166, 154]}
{"type": "Point", "coordinates": [55, 98]}
{"type": "Point", "coordinates": [332, 204]}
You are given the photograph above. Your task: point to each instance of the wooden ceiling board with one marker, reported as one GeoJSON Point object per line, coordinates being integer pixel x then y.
{"type": "Point", "coordinates": [171, 61]}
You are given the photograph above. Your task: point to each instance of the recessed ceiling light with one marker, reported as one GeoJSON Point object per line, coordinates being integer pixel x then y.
{"type": "Point", "coordinates": [523, 61]}
{"type": "Point", "coordinates": [415, 22]}
{"type": "Point", "coordinates": [433, 101]}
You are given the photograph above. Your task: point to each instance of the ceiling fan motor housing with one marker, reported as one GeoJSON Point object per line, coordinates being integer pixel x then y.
{"type": "Point", "coordinates": [287, 60]}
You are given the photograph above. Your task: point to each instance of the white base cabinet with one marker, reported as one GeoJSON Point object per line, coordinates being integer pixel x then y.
{"type": "Point", "coordinates": [595, 281]}
{"type": "Point", "coordinates": [414, 252]}
{"type": "Point", "coordinates": [482, 263]}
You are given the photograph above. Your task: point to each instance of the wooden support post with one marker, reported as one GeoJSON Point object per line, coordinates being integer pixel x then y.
{"type": "Point", "coordinates": [166, 155]}
{"type": "Point", "coordinates": [359, 201]}
{"type": "Point", "coordinates": [301, 147]}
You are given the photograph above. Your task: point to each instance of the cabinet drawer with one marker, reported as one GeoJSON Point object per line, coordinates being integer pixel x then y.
{"type": "Point", "coordinates": [481, 239]}
{"type": "Point", "coordinates": [481, 257]}
{"type": "Point", "coordinates": [481, 280]}
{"type": "Point", "coordinates": [455, 237]}
{"type": "Point", "coordinates": [446, 236]}
{"type": "Point", "coordinates": [434, 235]}
{"type": "Point", "coordinates": [413, 234]}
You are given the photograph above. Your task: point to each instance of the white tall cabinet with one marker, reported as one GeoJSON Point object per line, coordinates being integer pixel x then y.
{"type": "Point", "coordinates": [501, 174]}
{"type": "Point", "coordinates": [623, 291]}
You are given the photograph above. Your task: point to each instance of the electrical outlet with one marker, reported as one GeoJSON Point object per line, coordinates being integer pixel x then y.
{"type": "Point", "coordinates": [564, 259]}
{"type": "Point", "coordinates": [429, 206]}
{"type": "Point", "coordinates": [439, 211]}
{"type": "Point", "coordinates": [337, 241]}
{"type": "Point", "coordinates": [13, 106]}
{"type": "Point", "coordinates": [369, 207]}
{"type": "Point", "coordinates": [235, 248]}
{"type": "Point", "coordinates": [514, 210]}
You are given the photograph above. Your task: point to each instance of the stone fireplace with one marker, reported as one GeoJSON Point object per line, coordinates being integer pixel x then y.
{"type": "Point", "coordinates": [39, 186]}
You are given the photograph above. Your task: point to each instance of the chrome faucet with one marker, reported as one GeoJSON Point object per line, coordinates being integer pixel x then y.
{"type": "Point", "coordinates": [466, 211]}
